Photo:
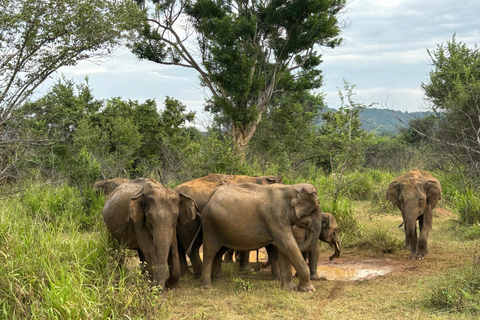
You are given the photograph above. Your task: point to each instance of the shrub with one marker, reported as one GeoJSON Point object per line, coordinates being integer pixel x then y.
{"type": "Point", "coordinates": [379, 240]}
{"type": "Point", "coordinates": [457, 291]}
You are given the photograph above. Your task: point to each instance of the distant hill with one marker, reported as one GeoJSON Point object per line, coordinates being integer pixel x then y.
{"type": "Point", "coordinates": [382, 120]}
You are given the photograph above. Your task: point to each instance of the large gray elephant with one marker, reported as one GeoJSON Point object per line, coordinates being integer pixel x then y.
{"type": "Point", "coordinates": [190, 235]}
{"type": "Point", "coordinates": [143, 215]}
{"type": "Point", "coordinates": [250, 216]}
{"type": "Point", "coordinates": [329, 234]}
{"type": "Point", "coordinates": [415, 193]}
{"type": "Point", "coordinates": [107, 186]}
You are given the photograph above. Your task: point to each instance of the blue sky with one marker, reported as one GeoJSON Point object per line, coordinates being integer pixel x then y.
{"type": "Point", "coordinates": [384, 56]}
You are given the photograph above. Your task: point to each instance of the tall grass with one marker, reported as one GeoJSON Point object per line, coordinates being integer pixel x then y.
{"type": "Point", "coordinates": [57, 261]}
{"type": "Point", "coordinates": [457, 291]}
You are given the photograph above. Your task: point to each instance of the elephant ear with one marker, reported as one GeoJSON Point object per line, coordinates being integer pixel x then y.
{"type": "Point", "coordinates": [305, 202]}
{"type": "Point", "coordinates": [434, 192]}
{"type": "Point", "coordinates": [393, 193]}
{"type": "Point", "coordinates": [326, 220]}
{"type": "Point", "coordinates": [137, 212]}
{"type": "Point", "coordinates": [187, 209]}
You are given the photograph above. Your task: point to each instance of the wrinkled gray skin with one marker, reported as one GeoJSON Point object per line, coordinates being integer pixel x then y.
{"type": "Point", "coordinates": [143, 215]}
{"type": "Point", "coordinates": [200, 190]}
{"type": "Point", "coordinates": [415, 193]}
{"type": "Point", "coordinates": [250, 216]}
{"type": "Point", "coordinates": [329, 234]}
{"type": "Point", "coordinates": [107, 186]}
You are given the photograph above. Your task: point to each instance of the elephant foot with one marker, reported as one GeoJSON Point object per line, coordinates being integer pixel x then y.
{"type": "Point", "coordinates": [172, 284]}
{"type": "Point", "coordinates": [288, 286]}
{"type": "Point", "coordinates": [314, 277]}
{"type": "Point", "coordinates": [207, 286]}
{"type": "Point", "coordinates": [308, 287]}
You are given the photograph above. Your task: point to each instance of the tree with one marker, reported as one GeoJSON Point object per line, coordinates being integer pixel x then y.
{"type": "Point", "coordinates": [342, 142]}
{"type": "Point", "coordinates": [454, 91]}
{"type": "Point", "coordinates": [287, 134]}
{"type": "Point", "coordinates": [39, 37]}
{"type": "Point", "coordinates": [244, 51]}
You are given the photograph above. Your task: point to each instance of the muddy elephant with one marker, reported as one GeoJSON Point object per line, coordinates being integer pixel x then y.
{"type": "Point", "coordinates": [415, 193]}
{"type": "Point", "coordinates": [143, 215]}
{"type": "Point", "coordinates": [329, 234]}
{"type": "Point", "coordinates": [107, 186]}
{"type": "Point", "coordinates": [201, 189]}
{"type": "Point", "coordinates": [249, 216]}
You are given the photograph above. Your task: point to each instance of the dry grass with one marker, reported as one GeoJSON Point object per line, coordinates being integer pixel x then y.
{"type": "Point", "coordinates": [397, 295]}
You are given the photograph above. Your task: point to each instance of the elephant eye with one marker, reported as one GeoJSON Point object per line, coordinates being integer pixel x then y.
{"type": "Point", "coordinates": [421, 199]}
{"type": "Point", "coordinates": [401, 199]}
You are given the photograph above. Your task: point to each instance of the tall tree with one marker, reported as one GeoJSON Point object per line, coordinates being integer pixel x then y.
{"type": "Point", "coordinates": [454, 91]}
{"type": "Point", "coordinates": [39, 37]}
{"type": "Point", "coordinates": [242, 50]}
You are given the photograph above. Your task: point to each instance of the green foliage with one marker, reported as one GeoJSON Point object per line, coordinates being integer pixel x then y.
{"type": "Point", "coordinates": [379, 240]}
{"type": "Point", "coordinates": [287, 132]}
{"type": "Point", "coordinates": [457, 291]}
{"type": "Point", "coordinates": [341, 139]}
{"type": "Point", "coordinates": [248, 51]}
{"type": "Point", "coordinates": [454, 90]}
{"type": "Point", "coordinates": [39, 37]}
{"type": "Point", "coordinates": [467, 203]}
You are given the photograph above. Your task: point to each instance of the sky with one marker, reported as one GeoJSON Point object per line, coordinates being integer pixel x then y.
{"type": "Point", "coordinates": [384, 55]}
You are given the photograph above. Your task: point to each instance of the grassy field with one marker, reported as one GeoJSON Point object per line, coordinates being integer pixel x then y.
{"type": "Point", "coordinates": [58, 262]}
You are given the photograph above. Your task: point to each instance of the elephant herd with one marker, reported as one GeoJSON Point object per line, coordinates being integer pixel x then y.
{"type": "Point", "coordinates": [243, 213]}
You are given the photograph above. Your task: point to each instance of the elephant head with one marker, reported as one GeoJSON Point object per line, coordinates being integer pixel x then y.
{"type": "Point", "coordinates": [307, 212]}
{"type": "Point", "coordinates": [107, 186]}
{"type": "Point", "coordinates": [154, 211]}
{"type": "Point", "coordinates": [329, 233]}
{"type": "Point", "coordinates": [415, 193]}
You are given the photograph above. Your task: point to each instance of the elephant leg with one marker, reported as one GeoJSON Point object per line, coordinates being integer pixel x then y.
{"type": "Point", "coordinates": [174, 268]}
{"type": "Point", "coordinates": [286, 272]}
{"type": "Point", "coordinates": [243, 260]}
{"type": "Point", "coordinates": [195, 257]}
{"type": "Point", "coordinates": [143, 261]}
{"type": "Point", "coordinates": [313, 261]}
{"type": "Point", "coordinates": [183, 260]}
{"type": "Point", "coordinates": [228, 258]}
{"type": "Point", "coordinates": [210, 248]}
{"type": "Point", "coordinates": [287, 246]}
{"type": "Point", "coordinates": [217, 263]}
{"type": "Point", "coordinates": [273, 258]}
{"type": "Point", "coordinates": [425, 224]}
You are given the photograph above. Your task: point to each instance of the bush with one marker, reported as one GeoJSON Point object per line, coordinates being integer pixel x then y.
{"type": "Point", "coordinates": [457, 291]}
{"type": "Point", "coordinates": [379, 240]}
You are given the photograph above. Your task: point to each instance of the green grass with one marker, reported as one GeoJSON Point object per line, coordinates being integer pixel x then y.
{"type": "Point", "coordinates": [57, 261]}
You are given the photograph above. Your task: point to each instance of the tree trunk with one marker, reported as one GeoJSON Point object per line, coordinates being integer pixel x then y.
{"type": "Point", "coordinates": [243, 133]}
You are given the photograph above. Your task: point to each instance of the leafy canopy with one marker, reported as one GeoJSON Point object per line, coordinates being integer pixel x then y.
{"type": "Point", "coordinates": [245, 52]}
{"type": "Point", "coordinates": [38, 37]}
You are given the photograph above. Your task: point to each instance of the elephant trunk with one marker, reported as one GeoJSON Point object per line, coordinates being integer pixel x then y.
{"type": "Point", "coordinates": [162, 242]}
{"type": "Point", "coordinates": [313, 229]}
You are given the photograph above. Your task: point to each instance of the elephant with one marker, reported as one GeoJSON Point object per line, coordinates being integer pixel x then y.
{"type": "Point", "coordinates": [329, 234]}
{"type": "Point", "coordinates": [249, 216]}
{"type": "Point", "coordinates": [107, 186]}
{"type": "Point", "coordinates": [190, 235]}
{"type": "Point", "coordinates": [143, 215]}
{"type": "Point", "coordinates": [415, 193]}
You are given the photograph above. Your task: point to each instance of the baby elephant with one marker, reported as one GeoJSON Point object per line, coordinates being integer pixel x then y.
{"type": "Point", "coordinates": [329, 234]}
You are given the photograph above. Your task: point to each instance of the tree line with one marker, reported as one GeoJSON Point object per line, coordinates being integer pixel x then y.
{"type": "Point", "coordinates": [262, 68]}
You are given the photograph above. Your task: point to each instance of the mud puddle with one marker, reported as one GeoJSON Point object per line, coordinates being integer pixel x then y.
{"type": "Point", "coordinates": [355, 271]}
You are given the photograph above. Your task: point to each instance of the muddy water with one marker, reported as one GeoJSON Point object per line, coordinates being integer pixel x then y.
{"type": "Point", "coordinates": [352, 272]}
